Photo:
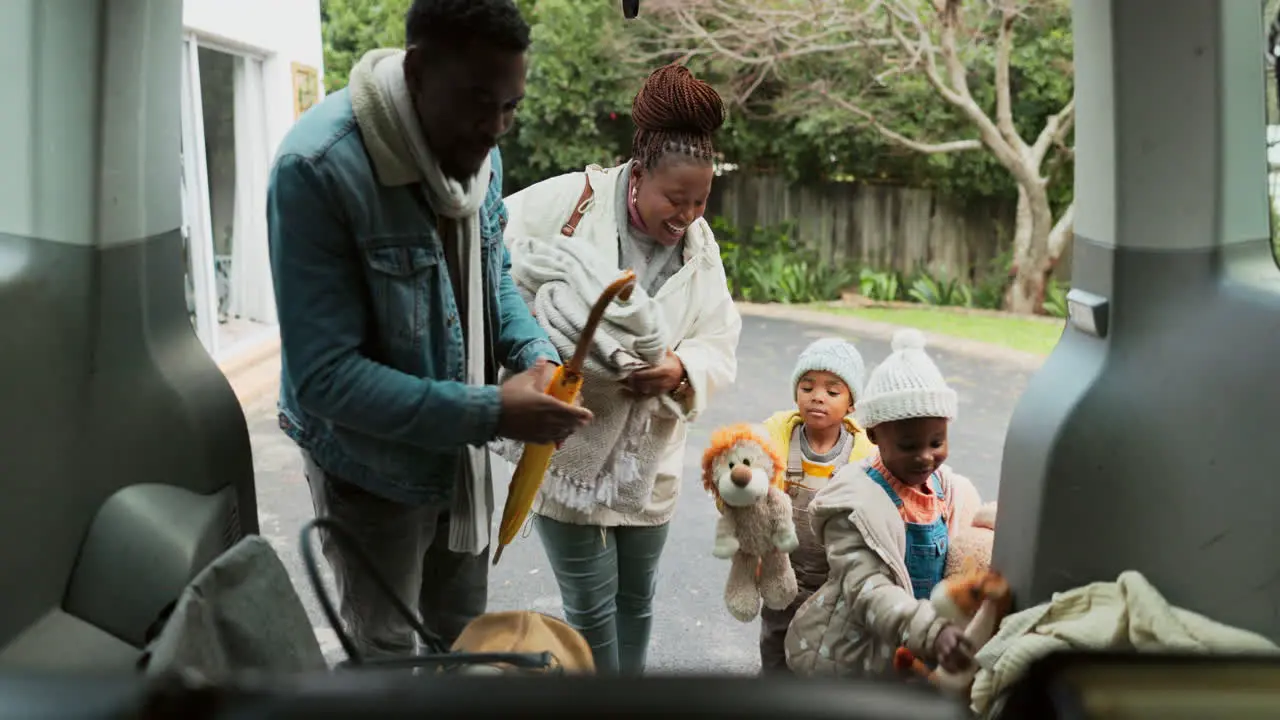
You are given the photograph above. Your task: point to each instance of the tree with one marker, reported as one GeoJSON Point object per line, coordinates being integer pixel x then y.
{"type": "Point", "coordinates": [860, 57]}
{"type": "Point", "coordinates": [578, 93]}
{"type": "Point", "coordinates": [351, 28]}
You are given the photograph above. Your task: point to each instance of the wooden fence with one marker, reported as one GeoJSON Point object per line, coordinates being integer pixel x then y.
{"type": "Point", "coordinates": [879, 226]}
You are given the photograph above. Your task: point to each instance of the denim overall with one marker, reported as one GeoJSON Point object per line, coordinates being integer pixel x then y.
{"type": "Point", "coordinates": [926, 544]}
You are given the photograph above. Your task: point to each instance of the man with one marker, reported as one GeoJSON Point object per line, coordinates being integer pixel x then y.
{"type": "Point", "coordinates": [396, 310]}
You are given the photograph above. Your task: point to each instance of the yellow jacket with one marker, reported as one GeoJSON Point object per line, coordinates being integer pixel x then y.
{"type": "Point", "coordinates": [782, 425]}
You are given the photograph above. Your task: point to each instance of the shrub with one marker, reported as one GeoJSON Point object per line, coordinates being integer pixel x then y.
{"type": "Point", "coordinates": [768, 265]}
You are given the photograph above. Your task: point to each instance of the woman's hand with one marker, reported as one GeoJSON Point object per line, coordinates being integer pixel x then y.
{"type": "Point", "coordinates": [659, 379]}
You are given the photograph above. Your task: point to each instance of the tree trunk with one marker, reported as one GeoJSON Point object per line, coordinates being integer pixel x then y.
{"type": "Point", "coordinates": [1032, 260]}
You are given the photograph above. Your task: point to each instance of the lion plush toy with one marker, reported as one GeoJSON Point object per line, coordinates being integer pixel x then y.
{"type": "Point", "coordinates": [976, 599]}
{"type": "Point", "coordinates": [744, 473]}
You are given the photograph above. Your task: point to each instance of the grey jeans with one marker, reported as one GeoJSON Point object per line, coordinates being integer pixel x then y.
{"type": "Point", "coordinates": [409, 546]}
{"type": "Point", "coordinates": [607, 578]}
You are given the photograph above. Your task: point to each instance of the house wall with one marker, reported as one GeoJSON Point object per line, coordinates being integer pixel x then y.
{"type": "Point", "coordinates": [282, 32]}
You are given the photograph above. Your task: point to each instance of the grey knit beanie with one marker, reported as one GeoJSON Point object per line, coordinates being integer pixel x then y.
{"type": "Point", "coordinates": [836, 356]}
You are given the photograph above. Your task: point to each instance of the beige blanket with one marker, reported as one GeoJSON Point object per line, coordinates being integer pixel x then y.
{"type": "Point", "coordinates": [1128, 614]}
{"type": "Point", "coordinates": [613, 461]}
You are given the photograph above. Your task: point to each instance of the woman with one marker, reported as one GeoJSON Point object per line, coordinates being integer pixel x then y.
{"type": "Point", "coordinates": [605, 506]}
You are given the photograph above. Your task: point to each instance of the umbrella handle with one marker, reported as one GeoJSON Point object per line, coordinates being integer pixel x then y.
{"type": "Point", "coordinates": [535, 460]}
{"type": "Point", "coordinates": [619, 289]}
{"type": "Point", "coordinates": [564, 386]}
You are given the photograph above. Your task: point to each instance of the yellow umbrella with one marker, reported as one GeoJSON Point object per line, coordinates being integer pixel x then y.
{"type": "Point", "coordinates": [564, 386]}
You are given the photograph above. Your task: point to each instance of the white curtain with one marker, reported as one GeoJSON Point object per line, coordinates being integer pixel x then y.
{"type": "Point", "coordinates": [252, 296]}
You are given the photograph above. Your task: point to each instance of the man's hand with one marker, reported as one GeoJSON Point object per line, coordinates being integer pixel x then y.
{"type": "Point", "coordinates": [544, 370]}
{"type": "Point", "coordinates": [544, 379]}
{"type": "Point", "coordinates": [530, 415]}
{"type": "Point", "coordinates": [659, 379]}
{"type": "Point", "coordinates": [952, 649]}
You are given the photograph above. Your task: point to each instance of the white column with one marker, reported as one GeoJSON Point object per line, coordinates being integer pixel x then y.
{"type": "Point", "coordinates": [1140, 443]}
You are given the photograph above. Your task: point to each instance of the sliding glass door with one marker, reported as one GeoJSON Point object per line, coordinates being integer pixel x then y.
{"type": "Point", "coordinates": [225, 161]}
{"type": "Point", "coordinates": [197, 231]}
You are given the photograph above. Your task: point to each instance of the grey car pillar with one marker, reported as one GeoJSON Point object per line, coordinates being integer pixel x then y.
{"type": "Point", "coordinates": [1149, 439]}
{"type": "Point", "coordinates": [124, 457]}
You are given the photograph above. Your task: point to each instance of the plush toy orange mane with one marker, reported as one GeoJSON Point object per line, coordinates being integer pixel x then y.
{"type": "Point", "coordinates": [725, 438]}
{"type": "Point", "coordinates": [728, 436]}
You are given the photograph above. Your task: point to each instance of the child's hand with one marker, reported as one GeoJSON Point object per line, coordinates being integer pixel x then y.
{"type": "Point", "coordinates": [952, 649]}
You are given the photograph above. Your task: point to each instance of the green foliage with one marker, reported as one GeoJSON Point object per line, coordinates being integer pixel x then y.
{"type": "Point", "coordinates": [350, 28]}
{"type": "Point", "coordinates": [1055, 299]}
{"type": "Point", "coordinates": [989, 291]}
{"type": "Point", "coordinates": [768, 265]}
{"type": "Point", "coordinates": [583, 73]}
{"type": "Point", "coordinates": [578, 94]}
{"type": "Point", "coordinates": [879, 285]}
{"type": "Point", "coordinates": [923, 287]}
{"type": "Point", "coordinates": [930, 290]}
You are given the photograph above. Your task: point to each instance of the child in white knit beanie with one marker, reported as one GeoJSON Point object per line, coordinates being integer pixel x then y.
{"type": "Point", "coordinates": [886, 523]}
{"type": "Point", "coordinates": [817, 437]}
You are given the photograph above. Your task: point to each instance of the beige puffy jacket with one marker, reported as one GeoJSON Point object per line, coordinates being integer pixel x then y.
{"type": "Point", "coordinates": [866, 609]}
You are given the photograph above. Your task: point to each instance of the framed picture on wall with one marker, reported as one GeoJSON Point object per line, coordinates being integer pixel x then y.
{"type": "Point", "coordinates": [306, 88]}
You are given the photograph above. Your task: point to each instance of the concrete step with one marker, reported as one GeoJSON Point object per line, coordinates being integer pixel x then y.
{"type": "Point", "coordinates": [254, 373]}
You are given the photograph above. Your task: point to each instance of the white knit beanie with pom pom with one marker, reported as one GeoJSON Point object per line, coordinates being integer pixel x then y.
{"type": "Point", "coordinates": [906, 385]}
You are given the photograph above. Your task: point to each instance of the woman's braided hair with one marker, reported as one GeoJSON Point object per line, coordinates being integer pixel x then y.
{"type": "Point", "coordinates": [674, 112]}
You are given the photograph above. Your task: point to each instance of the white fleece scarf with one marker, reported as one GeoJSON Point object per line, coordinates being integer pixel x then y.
{"type": "Point", "coordinates": [384, 111]}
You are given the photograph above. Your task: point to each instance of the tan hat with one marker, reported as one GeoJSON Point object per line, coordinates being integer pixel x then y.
{"type": "Point", "coordinates": [528, 632]}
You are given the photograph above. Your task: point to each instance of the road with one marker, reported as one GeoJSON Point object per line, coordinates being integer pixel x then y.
{"type": "Point", "coordinates": [692, 631]}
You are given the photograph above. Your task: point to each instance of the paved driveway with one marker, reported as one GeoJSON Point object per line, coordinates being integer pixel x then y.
{"type": "Point", "coordinates": [692, 630]}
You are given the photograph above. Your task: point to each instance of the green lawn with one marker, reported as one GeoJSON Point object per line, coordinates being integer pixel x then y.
{"type": "Point", "coordinates": [1026, 334]}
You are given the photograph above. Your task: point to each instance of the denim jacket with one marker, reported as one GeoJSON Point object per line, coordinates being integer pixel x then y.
{"type": "Point", "coordinates": [371, 343]}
